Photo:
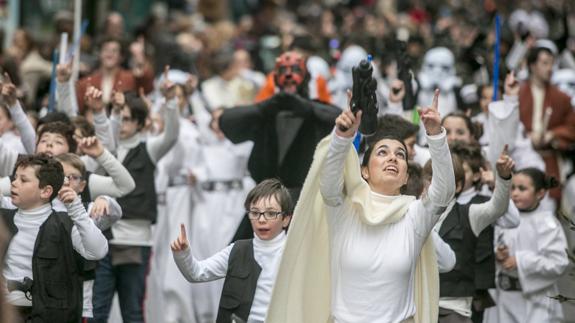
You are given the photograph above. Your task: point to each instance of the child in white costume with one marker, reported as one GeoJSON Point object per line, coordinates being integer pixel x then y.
{"type": "Point", "coordinates": [531, 258]}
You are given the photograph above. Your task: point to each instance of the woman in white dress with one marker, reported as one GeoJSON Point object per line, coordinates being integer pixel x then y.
{"type": "Point", "coordinates": [357, 241]}
{"type": "Point", "coordinates": [532, 257]}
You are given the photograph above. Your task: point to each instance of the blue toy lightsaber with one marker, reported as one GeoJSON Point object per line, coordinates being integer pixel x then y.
{"type": "Point", "coordinates": [76, 42]}
{"type": "Point", "coordinates": [52, 98]}
{"type": "Point", "coordinates": [496, 58]}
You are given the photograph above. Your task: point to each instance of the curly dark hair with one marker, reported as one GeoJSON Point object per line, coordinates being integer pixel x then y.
{"type": "Point", "coordinates": [49, 171]}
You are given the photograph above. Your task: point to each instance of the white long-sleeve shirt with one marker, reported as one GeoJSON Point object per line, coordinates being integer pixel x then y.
{"type": "Point", "coordinates": [445, 256]}
{"type": "Point", "coordinates": [8, 156]}
{"type": "Point", "coordinates": [137, 232]}
{"type": "Point", "coordinates": [378, 262]}
{"type": "Point", "coordinates": [267, 254]}
{"type": "Point", "coordinates": [87, 240]}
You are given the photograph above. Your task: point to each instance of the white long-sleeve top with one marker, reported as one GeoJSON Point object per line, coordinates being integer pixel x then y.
{"type": "Point", "coordinates": [137, 232]}
{"type": "Point", "coordinates": [8, 156]}
{"type": "Point", "coordinates": [378, 262]}
{"type": "Point", "coordinates": [445, 256]}
{"type": "Point", "coordinates": [501, 127]}
{"type": "Point", "coordinates": [87, 240]}
{"type": "Point", "coordinates": [267, 254]}
{"type": "Point", "coordinates": [118, 183]}
{"type": "Point", "coordinates": [538, 245]}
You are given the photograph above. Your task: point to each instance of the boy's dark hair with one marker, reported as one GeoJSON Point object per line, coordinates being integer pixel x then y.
{"type": "Point", "coordinates": [458, 170]}
{"type": "Point", "coordinates": [138, 108]}
{"type": "Point", "coordinates": [268, 188]}
{"type": "Point", "coordinates": [533, 55]}
{"type": "Point", "coordinates": [86, 128]}
{"type": "Point", "coordinates": [414, 184]}
{"type": "Point", "coordinates": [64, 129]}
{"type": "Point", "coordinates": [48, 170]}
{"type": "Point", "coordinates": [471, 154]}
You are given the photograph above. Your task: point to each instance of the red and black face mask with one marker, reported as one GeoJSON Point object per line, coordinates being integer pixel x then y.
{"type": "Point", "coordinates": [290, 72]}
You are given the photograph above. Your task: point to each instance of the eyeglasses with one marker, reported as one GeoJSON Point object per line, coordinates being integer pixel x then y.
{"type": "Point", "coordinates": [268, 215]}
{"type": "Point", "coordinates": [73, 177]}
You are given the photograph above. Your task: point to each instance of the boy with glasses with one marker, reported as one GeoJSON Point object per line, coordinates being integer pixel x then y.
{"type": "Point", "coordinates": [248, 266]}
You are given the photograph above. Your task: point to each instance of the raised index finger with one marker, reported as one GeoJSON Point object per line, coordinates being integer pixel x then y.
{"type": "Point", "coordinates": [183, 232]}
{"type": "Point", "coordinates": [435, 103]}
{"type": "Point", "coordinates": [166, 70]}
{"type": "Point", "coordinates": [505, 150]}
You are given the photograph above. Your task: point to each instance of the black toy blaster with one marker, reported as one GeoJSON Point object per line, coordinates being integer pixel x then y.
{"type": "Point", "coordinates": [404, 74]}
{"type": "Point", "coordinates": [364, 97]}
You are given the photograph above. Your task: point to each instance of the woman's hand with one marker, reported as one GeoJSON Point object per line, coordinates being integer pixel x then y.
{"type": "Point", "coordinates": [430, 116]}
{"type": "Point", "coordinates": [346, 124]}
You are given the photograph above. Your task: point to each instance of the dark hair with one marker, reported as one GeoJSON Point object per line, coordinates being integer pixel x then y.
{"type": "Point", "coordinates": [377, 137]}
{"type": "Point", "coordinates": [48, 170]}
{"type": "Point", "coordinates": [64, 129]}
{"type": "Point", "coordinates": [53, 117]}
{"type": "Point", "coordinates": [540, 180]}
{"type": "Point", "coordinates": [414, 184]}
{"type": "Point", "coordinates": [268, 188]}
{"type": "Point", "coordinates": [471, 154]}
{"type": "Point", "coordinates": [475, 129]}
{"type": "Point", "coordinates": [533, 55]}
{"type": "Point", "coordinates": [138, 108]}
{"type": "Point", "coordinates": [458, 170]}
{"type": "Point", "coordinates": [393, 125]}
{"type": "Point", "coordinates": [86, 128]}
{"type": "Point", "coordinates": [111, 39]}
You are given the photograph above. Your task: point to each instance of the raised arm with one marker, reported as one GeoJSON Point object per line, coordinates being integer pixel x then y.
{"type": "Point", "coordinates": [193, 270]}
{"type": "Point", "coordinates": [118, 183]}
{"type": "Point", "coordinates": [158, 146]}
{"type": "Point", "coordinates": [442, 187]}
{"type": "Point", "coordinates": [484, 214]}
{"type": "Point", "coordinates": [87, 239]}
{"type": "Point", "coordinates": [503, 120]}
{"type": "Point", "coordinates": [65, 89]}
{"type": "Point", "coordinates": [105, 211]}
{"type": "Point", "coordinates": [21, 122]}
{"type": "Point", "coordinates": [331, 175]}
{"type": "Point", "coordinates": [102, 125]}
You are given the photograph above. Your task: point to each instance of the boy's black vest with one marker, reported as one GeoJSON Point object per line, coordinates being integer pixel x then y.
{"type": "Point", "coordinates": [473, 267]}
{"type": "Point", "coordinates": [141, 202]}
{"type": "Point", "coordinates": [56, 270]}
{"type": "Point", "coordinates": [240, 283]}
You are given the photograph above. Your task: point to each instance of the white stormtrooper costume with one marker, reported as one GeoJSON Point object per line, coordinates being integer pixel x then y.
{"type": "Point", "coordinates": [564, 79]}
{"type": "Point", "coordinates": [343, 79]}
{"type": "Point", "coordinates": [438, 71]}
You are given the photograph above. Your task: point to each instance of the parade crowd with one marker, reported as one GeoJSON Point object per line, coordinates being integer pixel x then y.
{"type": "Point", "coordinates": [226, 161]}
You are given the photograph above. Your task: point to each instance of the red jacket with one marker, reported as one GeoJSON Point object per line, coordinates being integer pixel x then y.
{"type": "Point", "coordinates": [124, 81]}
{"type": "Point", "coordinates": [561, 124]}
